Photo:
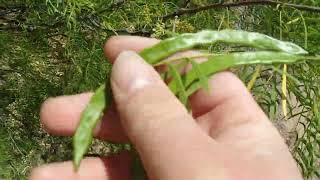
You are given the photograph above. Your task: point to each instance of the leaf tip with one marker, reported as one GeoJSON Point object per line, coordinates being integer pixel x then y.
{"type": "Point", "coordinates": [76, 163]}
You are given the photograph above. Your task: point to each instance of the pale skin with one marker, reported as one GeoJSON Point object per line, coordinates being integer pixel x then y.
{"type": "Point", "coordinates": [227, 136]}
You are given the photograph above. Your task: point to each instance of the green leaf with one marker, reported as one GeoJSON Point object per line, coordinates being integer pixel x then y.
{"type": "Point", "coordinates": [187, 41]}
{"type": "Point", "coordinates": [89, 119]}
{"type": "Point", "coordinates": [203, 79]}
{"type": "Point", "coordinates": [178, 81]}
{"type": "Point", "coordinates": [221, 62]}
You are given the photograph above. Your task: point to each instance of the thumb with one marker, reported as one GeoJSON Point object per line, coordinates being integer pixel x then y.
{"type": "Point", "coordinates": [155, 121]}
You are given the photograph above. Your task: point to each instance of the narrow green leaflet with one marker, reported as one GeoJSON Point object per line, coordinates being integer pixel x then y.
{"type": "Point", "coordinates": [203, 79]}
{"type": "Point", "coordinates": [220, 62]}
{"type": "Point", "coordinates": [177, 78]}
{"type": "Point", "coordinates": [89, 118]}
{"type": "Point", "coordinates": [189, 40]}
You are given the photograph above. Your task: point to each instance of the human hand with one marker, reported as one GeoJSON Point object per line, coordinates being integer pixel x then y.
{"type": "Point", "coordinates": [227, 136]}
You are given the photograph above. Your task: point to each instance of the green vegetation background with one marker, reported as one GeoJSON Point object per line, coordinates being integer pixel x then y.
{"type": "Point", "coordinates": [54, 47]}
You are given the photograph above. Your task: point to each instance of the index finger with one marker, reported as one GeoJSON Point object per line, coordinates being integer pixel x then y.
{"type": "Point", "coordinates": [116, 44]}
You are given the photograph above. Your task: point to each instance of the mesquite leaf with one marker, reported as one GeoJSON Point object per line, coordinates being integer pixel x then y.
{"type": "Point", "coordinates": [224, 61]}
{"type": "Point", "coordinates": [275, 51]}
{"type": "Point", "coordinates": [187, 41]}
{"type": "Point", "coordinates": [203, 79]}
{"type": "Point", "coordinates": [177, 78]}
{"type": "Point", "coordinates": [89, 118]}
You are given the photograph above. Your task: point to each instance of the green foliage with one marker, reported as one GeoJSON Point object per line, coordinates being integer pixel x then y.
{"type": "Point", "coordinates": [203, 79]}
{"type": "Point", "coordinates": [89, 119]}
{"type": "Point", "coordinates": [181, 90]}
{"type": "Point", "coordinates": [187, 41]}
{"type": "Point", "coordinates": [51, 48]}
{"type": "Point", "coordinates": [307, 147]}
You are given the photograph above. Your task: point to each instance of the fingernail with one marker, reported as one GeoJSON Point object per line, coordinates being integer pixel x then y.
{"type": "Point", "coordinates": [130, 72]}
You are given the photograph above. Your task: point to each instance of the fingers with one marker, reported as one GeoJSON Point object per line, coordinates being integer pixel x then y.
{"type": "Point", "coordinates": [227, 105]}
{"type": "Point", "coordinates": [227, 91]}
{"type": "Point", "coordinates": [116, 44]}
{"type": "Point", "coordinates": [155, 121]}
{"type": "Point", "coordinates": [108, 168]}
{"type": "Point", "coordinates": [61, 115]}
{"type": "Point", "coordinates": [231, 116]}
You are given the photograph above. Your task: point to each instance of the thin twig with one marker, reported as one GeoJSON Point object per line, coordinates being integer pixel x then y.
{"type": "Point", "coordinates": [180, 12]}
